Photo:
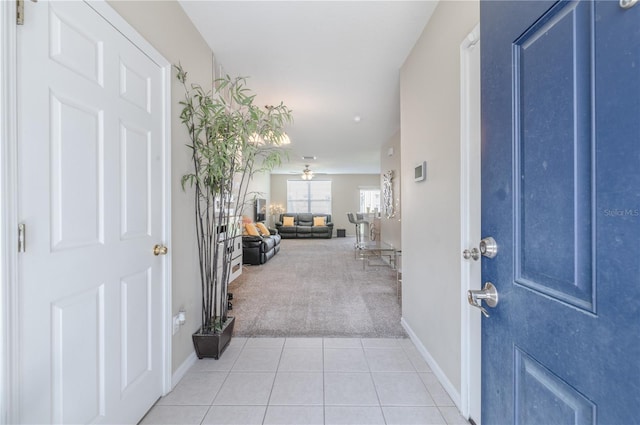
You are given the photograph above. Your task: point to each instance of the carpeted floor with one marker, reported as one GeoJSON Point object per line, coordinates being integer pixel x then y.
{"type": "Point", "coordinates": [315, 288]}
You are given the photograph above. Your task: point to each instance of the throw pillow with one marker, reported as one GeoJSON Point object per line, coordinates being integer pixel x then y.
{"type": "Point", "coordinates": [251, 229]}
{"type": "Point", "coordinates": [263, 229]}
{"type": "Point", "coordinates": [287, 221]}
{"type": "Point", "coordinates": [319, 221]}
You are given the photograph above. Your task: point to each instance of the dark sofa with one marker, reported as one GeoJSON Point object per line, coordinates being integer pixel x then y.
{"type": "Point", "coordinates": [303, 226]}
{"type": "Point", "coordinates": [258, 250]}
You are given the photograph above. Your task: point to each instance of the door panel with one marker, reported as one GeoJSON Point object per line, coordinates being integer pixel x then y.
{"type": "Point", "coordinates": [553, 118]}
{"type": "Point", "coordinates": [90, 173]}
{"type": "Point", "coordinates": [76, 164]}
{"type": "Point", "coordinates": [561, 195]}
{"type": "Point", "coordinates": [135, 182]}
{"type": "Point", "coordinates": [78, 368]}
{"type": "Point", "coordinates": [137, 327]}
{"type": "Point", "coordinates": [75, 47]}
{"type": "Point", "coordinates": [544, 398]}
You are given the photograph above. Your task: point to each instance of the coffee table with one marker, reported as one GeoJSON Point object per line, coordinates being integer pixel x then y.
{"type": "Point", "coordinates": [371, 249]}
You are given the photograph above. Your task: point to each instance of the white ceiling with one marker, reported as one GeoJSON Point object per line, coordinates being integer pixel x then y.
{"type": "Point", "coordinates": [329, 61]}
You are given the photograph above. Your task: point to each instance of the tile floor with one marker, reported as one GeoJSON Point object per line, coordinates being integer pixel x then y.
{"type": "Point", "coordinates": [309, 381]}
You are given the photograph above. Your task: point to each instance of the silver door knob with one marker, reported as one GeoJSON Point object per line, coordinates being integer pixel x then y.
{"type": "Point", "coordinates": [488, 293]}
{"type": "Point", "coordinates": [160, 250]}
{"type": "Point", "coordinates": [628, 4]}
{"type": "Point", "coordinates": [471, 254]}
{"type": "Point", "coordinates": [488, 247]}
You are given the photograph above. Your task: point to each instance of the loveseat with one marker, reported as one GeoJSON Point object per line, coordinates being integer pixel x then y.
{"type": "Point", "coordinates": [305, 225]}
{"type": "Point", "coordinates": [258, 250]}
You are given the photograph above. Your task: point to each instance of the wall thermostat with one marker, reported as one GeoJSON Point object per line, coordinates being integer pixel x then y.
{"type": "Point", "coordinates": [420, 171]}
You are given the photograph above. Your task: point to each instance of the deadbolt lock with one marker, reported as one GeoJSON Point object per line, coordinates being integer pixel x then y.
{"type": "Point", "coordinates": [488, 247]}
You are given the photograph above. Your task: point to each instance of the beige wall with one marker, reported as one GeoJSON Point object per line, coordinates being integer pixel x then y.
{"type": "Point", "coordinates": [430, 128]}
{"type": "Point", "coordinates": [165, 25]}
{"type": "Point", "coordinates": [259, 187]}
{"type": "Point", "coordinates": [345, 195]}
{"type": "Point", "coordinates": [390, 229]}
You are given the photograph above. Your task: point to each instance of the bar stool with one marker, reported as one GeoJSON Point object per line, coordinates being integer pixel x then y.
{"type": "Point", "coordinates": [360, 218]}
{"type": "Point", "coordinates": [358, 224]}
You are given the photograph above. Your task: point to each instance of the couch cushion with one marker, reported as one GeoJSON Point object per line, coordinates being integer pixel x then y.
{"type": "Point", "coordinates": [319, 221]}
{"type": "Point", "coordinates": [319, 229]}
{"type": "Point", "coordinates": [251, 229]}
{"type": "Point", "coordinates": [287, 229]}
{"type": "Point", "coordinates": [269, 243]}
{"type": "Point", "coordinates": [263, 229]}
{"type": "Point", "coordinates": [303, 229]}
{"type": "Point", "coordinates": [305, 219]}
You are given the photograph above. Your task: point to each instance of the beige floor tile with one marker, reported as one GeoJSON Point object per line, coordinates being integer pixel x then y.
{"type": "Point", "coordinates": [297, 388]}
{"type": "Point", "coordinates": [342, 343]}
{"type": "Point", "coordinates": [452, 415]}
{"type": "Point", "coordinates": [388, 360]}
{"type": "Point", "coordinates": [345, 360]}
{"type": "Point", "coordinates": [258, 360]}
{"type": "Point", "coordinates": [195, 389]}
{"type": "Point", "coordinates": [303, 343]}
{"type": "Point", "coordinates": [401, 389]}
{"type": "Point", "coordinates": [301, 360]}
{"type": "Point", "coordinates": [235, 415]}
{"type": "Point", "coordinates": [413, 416]}
{"type": "Point", "coordinates": [294, 415]}
{"type": "Point", "coordinates": [264, 343]}
{"type": "Point", "coordinates": [350, 415]}
{"type": "Point", "coordinates": [437, 391]}
{"type": "Point", "coordinates": [178, 415]}
{"type": "Point", "coordinates": [349, 389]}
{"type": "Point", "coordinates": [245, 388]}
{"type": "Point", "coordinates": [382, 342]}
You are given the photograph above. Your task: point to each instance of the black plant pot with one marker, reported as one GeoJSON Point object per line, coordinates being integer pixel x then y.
{"type": "Point", "coordinates": [213, 345]}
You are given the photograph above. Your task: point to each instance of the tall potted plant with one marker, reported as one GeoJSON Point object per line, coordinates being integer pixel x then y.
{"type": "Point", "coordinates": [231, 138]}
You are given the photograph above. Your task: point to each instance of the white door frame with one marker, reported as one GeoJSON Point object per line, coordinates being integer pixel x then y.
{"type": "Point", "coordinates": [9, 194]}
{"type": "Point", "coordinates": [470, 351]}
{"type": "Point", "coordinates": [8, 207]}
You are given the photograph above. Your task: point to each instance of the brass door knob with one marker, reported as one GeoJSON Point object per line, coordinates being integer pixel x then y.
{"type": "Point", "coordinates": [160, 250]}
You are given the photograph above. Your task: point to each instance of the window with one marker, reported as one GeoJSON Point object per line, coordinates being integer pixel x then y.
{"type": "Point", "coordinates": [309, 196]}
{"type": "Point", "coordinates": [369, 200]}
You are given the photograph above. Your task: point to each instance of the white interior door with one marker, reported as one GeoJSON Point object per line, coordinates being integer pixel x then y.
{"type": "Point", "coordinates": [91, 160]}
{"type": "Point", "coordinates": [470, 222]}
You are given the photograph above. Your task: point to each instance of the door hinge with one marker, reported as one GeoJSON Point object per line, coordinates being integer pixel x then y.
{"type": "Point", "coordinates": [20, 12]}
{"type": "Point", "coordinates": [22, 247]}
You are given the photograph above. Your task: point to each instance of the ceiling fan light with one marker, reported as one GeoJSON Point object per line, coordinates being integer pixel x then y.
{"type": "Point", "coordinates": [307, 174]}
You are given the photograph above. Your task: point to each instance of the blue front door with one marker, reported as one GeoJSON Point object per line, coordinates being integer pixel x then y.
{"type": "Point", "coordinates": [561, 196]}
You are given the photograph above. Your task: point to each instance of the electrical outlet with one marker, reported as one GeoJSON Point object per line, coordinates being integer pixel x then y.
{"type": "Point", "coordinates": [176, 324]}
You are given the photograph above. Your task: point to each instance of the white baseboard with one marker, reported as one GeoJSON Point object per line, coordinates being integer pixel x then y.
{"type": "Point", "coordinates": [182, 369]}
{"type": "Point", "coordinates": [446, 384]}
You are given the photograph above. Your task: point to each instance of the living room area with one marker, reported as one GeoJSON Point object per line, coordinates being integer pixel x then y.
{"type": "Point", "coordinates": [314, 283]}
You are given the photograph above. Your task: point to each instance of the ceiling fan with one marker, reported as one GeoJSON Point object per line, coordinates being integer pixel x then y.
{"type": "Point", "coordinates": [307, 174]}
